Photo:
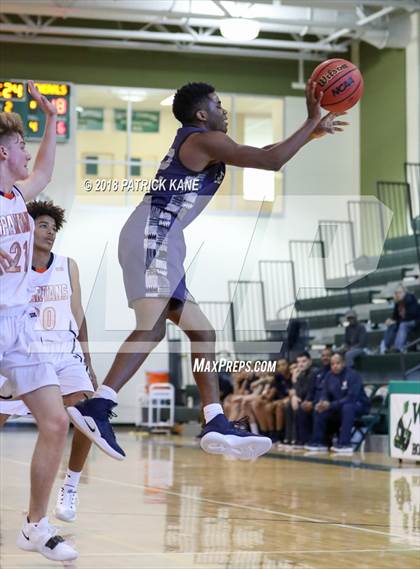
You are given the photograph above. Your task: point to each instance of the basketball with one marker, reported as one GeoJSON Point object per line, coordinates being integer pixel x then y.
{"type": "Point", "coordinates": [341, 82]}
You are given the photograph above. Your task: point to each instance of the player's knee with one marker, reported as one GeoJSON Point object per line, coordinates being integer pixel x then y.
{"type": "Point", "coordinates": [203, 336]}
{"type": "Point", "coordinates": [55, 426]}
{"type": "Point", "coordinates": [154, 336]}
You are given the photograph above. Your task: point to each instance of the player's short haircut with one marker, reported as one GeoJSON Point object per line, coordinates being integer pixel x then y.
{"type": "Point", "coordinates": [38, 208]}
{"type": "Point", "coordinates": [10, 124]}
{"type": "Point", "coordinates": [339, 354]}
{"type": "Point", "coordinates": [189, 99]}
{"type": "Point", "coordinates": [304, 354]}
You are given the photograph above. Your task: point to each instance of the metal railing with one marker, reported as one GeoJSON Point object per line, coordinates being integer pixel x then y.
{"type": "Point", "coordinates": [396, 196]}
{"type": "Point", "coordinates": [339, 247]}
{"type": "Point", "coordinates": [368, 227]}
{"type": "Point", "coordinates": [308, 260]}
{"type": "Point", "coordinates": [248, 310]}
{"type": "Point", "coordinates": [278, 278]}
{"type": "Point", "coordinates": [412, 177]}
{"type": "Point", "coordinates": [403, 357]}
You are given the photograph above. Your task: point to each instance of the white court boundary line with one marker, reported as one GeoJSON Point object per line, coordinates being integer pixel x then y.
{"type": "Point", "coordinates": [239, 552]}
{"type": "Point", "coordinates": [410, 539]}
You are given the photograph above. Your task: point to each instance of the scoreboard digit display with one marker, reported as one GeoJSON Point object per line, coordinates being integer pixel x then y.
{"type": "Point", "coordinates": [15, 97]}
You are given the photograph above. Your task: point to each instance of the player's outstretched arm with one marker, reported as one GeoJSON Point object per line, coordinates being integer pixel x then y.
{"type": "Point", "coordinates": [215, 146]}
{"type": "Point", "coordinates": [44, 162]}
{"type": "Point", "coordinates": [79, 316]}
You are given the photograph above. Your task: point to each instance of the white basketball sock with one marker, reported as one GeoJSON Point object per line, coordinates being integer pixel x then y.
{"type": "Point", "coordinates": [253, 428]}
{"type": "Point", "coordinates": [210, 411]}
{"type": "Point", "coordinates": [72, 479]}
{"type": "Point", "coordinates": [106, 393]}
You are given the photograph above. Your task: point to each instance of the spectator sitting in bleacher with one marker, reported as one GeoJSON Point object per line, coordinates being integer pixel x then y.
{"type": "Point", "coordinates": [268, 409]}
{"type": "Point", "coordinates": [355, 339]}
{"type": "Point", "coordinates": [320, 375]}
{"type": "Point", "coordinates": [261, 389]}
{"type": "Point", "coordinates": [247, 386]}
{"type": "Point", "coordinates": [241, 381]}
{"type": "Point", "coordinates": [343, 399]}
{"type": "Point", "coordinates": [298, 413]}
{"type": "Point", "coordinates": [405, 317]}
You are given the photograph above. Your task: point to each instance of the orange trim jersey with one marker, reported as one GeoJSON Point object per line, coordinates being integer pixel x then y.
{"type": "Point", "coordinates": [16, 239]}
{"type": "Point", "coordinates": [52, 298]}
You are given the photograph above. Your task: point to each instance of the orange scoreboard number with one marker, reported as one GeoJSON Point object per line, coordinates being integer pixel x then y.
{"type": "Point", "coordinates": [61, 105]}
{"type": "Point", "coordinates": [16, 97]}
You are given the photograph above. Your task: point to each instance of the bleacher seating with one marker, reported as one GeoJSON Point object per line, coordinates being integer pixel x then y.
{"type": "Point", "coordinates": [380, 277]}
{"type": "Point", "coordinates": [335, 301]}
{"type": "Point", "coordinates": [321, 317]}
{"type": "Point", "coordinates": [371, 297]}
{"type": "Point", "coordinates": [374, 338]}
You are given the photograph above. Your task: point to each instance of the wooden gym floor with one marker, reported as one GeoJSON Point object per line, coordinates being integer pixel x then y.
{"type": "Point", "coordinates": [170, 506]}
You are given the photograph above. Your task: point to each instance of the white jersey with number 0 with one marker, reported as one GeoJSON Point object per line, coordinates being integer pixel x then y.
{"type": "Point", "coordinates": [52, 298]}
{"type": "Point", "coordinates": [16, 239]}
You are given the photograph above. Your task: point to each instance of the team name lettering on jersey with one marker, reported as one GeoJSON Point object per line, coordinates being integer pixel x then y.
{"type": "Point", "coordinates": [48, 293]}
{"type": "Point", "coordinates": [14, 224]}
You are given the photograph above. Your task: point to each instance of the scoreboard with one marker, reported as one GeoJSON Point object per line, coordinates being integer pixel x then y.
{"type": "Point", "coordinates": [15, 97]}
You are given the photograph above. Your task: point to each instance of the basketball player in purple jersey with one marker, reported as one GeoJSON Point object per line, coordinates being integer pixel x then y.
{"type": "Point", "coordinates": [152, 251]}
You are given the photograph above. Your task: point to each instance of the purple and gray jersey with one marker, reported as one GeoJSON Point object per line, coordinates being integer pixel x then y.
{"type": "Point", "coordinates": [152, 246]}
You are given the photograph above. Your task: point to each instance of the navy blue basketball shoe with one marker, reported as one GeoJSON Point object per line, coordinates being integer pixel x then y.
{"type": "Point", "coordinates": [232, 438]}
{"type": "Point", "coordinates": [92, 418]}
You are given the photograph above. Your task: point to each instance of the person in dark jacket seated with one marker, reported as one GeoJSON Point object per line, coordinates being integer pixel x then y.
{"type": "Point", "coordinates": [304, 412]}
{"type": "Point", "coordinates": [299, 408]}
{"type": "Point", "coordinates": [405, 317]}
{"type": "Point", "coordinates": [355, 339]}
{"type": "Point", "coordinates": [320, 375]}
{"type": "Point", "coordinates": [343, 398]}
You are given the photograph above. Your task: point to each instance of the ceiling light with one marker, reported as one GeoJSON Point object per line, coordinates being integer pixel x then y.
{"type": "Point", "coordinates": [168, 101]}
{"type": "Point", "coordinates": [239, 29]}
{"type": "Point", "coordinates": [133, 95]}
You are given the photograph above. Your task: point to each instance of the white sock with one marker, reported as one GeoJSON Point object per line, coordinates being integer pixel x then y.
{"type": "Point", "coordinates": [210, 411]}
{"type": "Point", "coordinates": [254, 428]}
{"type": "Point", "coordinates": [106, 393]}
{"type": "Point", "coordinates": [72, 479]}
{"type": "Point", "coordinates": [35, 524]}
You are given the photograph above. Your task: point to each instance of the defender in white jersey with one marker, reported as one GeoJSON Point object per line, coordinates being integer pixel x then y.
{"type": "Point", "coordinates": [29, 376]}
{"type": "Point", "coordinates": [57, 301]}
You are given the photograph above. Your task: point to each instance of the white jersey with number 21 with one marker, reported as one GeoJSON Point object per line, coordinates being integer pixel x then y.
{"type": "Point", "coordinates": [16, 239]}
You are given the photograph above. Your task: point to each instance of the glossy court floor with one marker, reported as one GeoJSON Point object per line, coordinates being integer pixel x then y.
{"type": "Point", "coordinates": [170, 506]}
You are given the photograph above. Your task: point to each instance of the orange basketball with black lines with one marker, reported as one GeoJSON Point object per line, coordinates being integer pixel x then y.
{"type": "Point", "coordinates": [341, 82]}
